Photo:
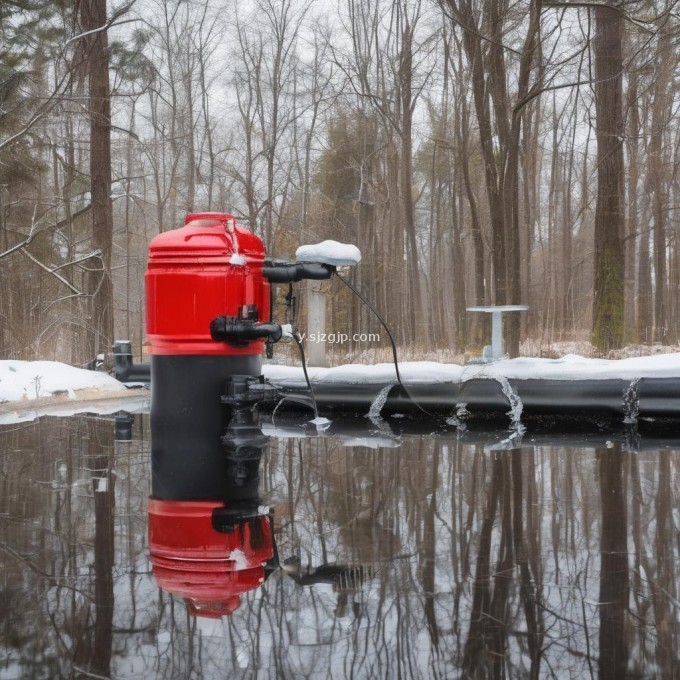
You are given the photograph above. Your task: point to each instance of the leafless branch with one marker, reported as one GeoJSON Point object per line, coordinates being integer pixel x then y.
{"type": "Point", "coordinates": [50, 271]}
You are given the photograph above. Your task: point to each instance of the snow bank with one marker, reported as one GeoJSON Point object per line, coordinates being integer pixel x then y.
{"type": "Point", "coordinates": [570, 367]}
{"type": "Point", "coordinates": [574, 367]}
{"type": "Point", "coordinates": [411, 371]}
{"type": "Point", "coordinates": [329, 252]}
{"type": "Point", "coordinates": [22, 380]}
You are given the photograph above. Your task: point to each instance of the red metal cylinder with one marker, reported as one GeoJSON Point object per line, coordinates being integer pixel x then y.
{"type": "Point", "coordinates": [207, 269]}
{"type": "Point", "coordinates": [210, 267]}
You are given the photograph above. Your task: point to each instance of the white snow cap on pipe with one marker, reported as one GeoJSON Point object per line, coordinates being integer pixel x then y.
{"type": "Point", "coordinates": [329, 252]}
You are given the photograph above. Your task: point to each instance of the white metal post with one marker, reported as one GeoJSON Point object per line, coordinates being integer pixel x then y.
{"type": "Point", "coordinates": [316, 326]}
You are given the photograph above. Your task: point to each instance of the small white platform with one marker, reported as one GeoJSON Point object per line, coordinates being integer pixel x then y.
{"type": "Point", "coordinates": [497, 312]}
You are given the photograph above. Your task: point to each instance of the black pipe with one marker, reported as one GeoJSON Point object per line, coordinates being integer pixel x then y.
{"type": "Point", "coordinates": [278, 271]}
{"type": "Point", "coordinates": [123, 367]}
{"type": "Point", "coordinates": [235, 331]}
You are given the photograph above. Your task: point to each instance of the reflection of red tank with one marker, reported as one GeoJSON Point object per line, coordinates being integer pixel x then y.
{"type": "Point", "coordinates": [208, 567]}
{"type": "Point", "coordinates": [208, 268]}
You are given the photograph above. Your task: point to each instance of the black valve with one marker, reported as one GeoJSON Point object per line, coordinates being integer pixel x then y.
{"type": "Point", "coordinates": [240, 332]}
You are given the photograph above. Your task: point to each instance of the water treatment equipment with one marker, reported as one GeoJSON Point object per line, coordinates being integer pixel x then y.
{"type": "Point", "coordinates": [207, 318]}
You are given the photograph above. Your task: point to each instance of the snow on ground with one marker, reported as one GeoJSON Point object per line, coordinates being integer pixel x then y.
{"type": "Point", "coordinates": [31, 389]}
{"type": "Point", "coordinates": [26, 380]}
{"type": "Point", "coordinates": [570, 367]}
{"type": "Point", "coordinates": [29, 380]}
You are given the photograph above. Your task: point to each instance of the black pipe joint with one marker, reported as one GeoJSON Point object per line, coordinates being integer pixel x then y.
{"type": "Point", "coordinates": [123, 367]}
{"type": "Point", "coordinates": [239, 332]}
{"type": "Point", "coordinates": [278, 271]}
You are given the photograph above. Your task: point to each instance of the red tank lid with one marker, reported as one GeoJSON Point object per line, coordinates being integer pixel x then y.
{"type": "Point", "coordinates": [211, 235]}
{"type": "Point", "coordinates": [208, 268]}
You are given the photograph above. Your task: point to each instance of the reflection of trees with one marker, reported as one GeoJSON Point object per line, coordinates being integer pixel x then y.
{"type": "Point", "coordinates": [57, 546]}
{"type": "Point", "coordinates": [486, 644]}
{"type": "Point", "coordinates": [614, 590]}
{"type": "Point", "coordinates": [94, 647]}
{"type": "Point", "coordinates": [463, 561]}
{"type": "Point", "coordinates": [655, 561]}
{"type": "Point", "coordinates": [664, 586]}
{"type": "Point", "coordinates": [506, 576]}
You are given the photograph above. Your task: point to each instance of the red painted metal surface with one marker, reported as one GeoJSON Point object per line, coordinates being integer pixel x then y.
{"type": "Point", "coordinates": [208, 568]}
{"type": "Point", "coordinates": [208, 268]}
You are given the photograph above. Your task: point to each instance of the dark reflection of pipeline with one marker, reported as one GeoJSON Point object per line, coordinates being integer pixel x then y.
{"type": "Point", "coordinates": [614, 586]}
{"type": "Point", "coordinates": [346, 580]}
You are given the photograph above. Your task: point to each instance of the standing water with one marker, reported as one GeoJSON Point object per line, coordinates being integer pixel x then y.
{"type": "Point", "coordinates": [431, 558]}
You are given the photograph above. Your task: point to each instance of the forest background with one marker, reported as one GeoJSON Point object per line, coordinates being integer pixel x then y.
{"type": "Point", "coordinates": [477, 152]}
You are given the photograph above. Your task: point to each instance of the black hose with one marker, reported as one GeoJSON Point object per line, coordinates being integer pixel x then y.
{"type": "Point", "coordinates": [298, 341]}
{"type": "Point", "coordinates": [389, 335]}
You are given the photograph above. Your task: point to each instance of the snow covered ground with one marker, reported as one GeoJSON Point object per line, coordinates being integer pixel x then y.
{"type": "Point", "coordinates": [22, 380]}
{"type": "Point", "coordinates": [30, 389]}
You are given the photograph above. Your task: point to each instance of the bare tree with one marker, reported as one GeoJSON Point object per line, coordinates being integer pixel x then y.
{"type": "Point", "coordinates": [499, 117]}
{"type": "Point", "coordinates": [92, 20]}
{"type": "Point", "coordinates": [267, 71]}
{"type": "Point", "coordinates": [609, 213]}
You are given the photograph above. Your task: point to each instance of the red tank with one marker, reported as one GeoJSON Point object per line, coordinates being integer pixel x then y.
{"type": "Point", "coordinates": [209, 268]}
{"type": "Point", "coordinates": [209, 568]}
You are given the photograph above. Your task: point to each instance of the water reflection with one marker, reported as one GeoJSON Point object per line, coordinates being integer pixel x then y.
{"type": "Point", "coordinates": [432, 557]}
{"type": "Point", "coordinates": [210, 552]}
{"type": "Point", "coordinates": [70, 540]}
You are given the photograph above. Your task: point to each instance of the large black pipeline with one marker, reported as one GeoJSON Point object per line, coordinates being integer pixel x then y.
{"type": "Point", "coordinates": [650, 397]}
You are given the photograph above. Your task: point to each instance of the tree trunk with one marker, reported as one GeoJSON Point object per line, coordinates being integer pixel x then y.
{"type": "Point", "coordinates": [609, 255]}
{"type": "Point", "coordinates": [93, 16]}
{"type": "Point", "coordinates": [413, 270]}
{"type": "Point", "coordinates": [632, 236]}
{"type": "Point", "coordinates": [657, 181]}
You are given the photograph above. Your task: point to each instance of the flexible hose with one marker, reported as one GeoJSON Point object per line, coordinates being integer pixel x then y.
{"type": "Point", "coordinates": [298, 341]}
{"type": "Point", "coordinates": [390, 336]}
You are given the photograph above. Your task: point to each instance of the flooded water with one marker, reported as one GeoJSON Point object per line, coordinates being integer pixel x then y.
{"type": "Point", "coordinates": [390, 557]}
